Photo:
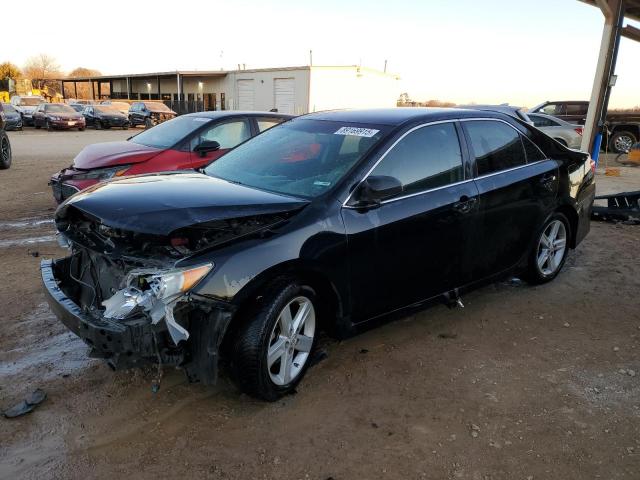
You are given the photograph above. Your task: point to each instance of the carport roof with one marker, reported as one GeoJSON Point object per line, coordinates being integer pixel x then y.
{"type": "Point", "coordinates": [632, 7]}
{"type": "Point", "coordinates": [183, 73]}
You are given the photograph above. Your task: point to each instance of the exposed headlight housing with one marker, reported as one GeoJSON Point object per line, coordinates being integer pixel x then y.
{"type": "Point", "coordinates": [102, 173]}
{"type": "Point", "coordinates": [178, 281]}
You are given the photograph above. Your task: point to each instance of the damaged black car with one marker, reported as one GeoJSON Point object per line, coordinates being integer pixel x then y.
{"type": "Point", "coordinates": [331, 221]}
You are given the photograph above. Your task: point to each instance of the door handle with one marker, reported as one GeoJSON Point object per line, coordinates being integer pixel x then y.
{"type": "Point", "coordinates": [547, 179]}
{"type": "Point", "coordinates": [465, 204]}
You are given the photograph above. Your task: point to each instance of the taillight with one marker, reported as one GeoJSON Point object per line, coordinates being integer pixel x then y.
{"type": "Point", "coordinates": [578, 130]}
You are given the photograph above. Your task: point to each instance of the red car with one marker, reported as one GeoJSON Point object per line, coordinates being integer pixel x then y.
{"type": "Point", "coordinates": [186, 142]}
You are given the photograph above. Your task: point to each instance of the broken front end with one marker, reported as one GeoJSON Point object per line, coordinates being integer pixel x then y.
{"type": "Point", "coordinates": [123, 295]}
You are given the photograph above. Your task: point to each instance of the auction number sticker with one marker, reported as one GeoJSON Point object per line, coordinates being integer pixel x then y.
{"type": "Point", "coordinates": [356, 131]}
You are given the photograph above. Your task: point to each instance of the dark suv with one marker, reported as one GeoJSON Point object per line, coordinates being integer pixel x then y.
{"type": "Point", "coordinates": [149, 114]}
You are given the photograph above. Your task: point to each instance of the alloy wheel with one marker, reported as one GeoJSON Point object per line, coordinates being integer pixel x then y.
{"type": "Point", "coordinates": [551, 248]}
{"type": "Point", "coordinates": [623, 143]}
{"type": "Point", "coordinates": [291, 340]}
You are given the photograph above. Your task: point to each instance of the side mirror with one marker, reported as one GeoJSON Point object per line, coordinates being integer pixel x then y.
{"type": "Point", "coordinates": [207, 146]}
{"type": "Point", "coordinates": [375, 189]}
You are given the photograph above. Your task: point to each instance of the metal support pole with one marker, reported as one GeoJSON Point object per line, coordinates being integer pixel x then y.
{"type": "Point", "coordinates": [128, 88]}
{"type": "Point", "coordinates": [601, 90]}
{"type": "Point", "coordinates": [93, 92]}
{"type": "Point", "coordinates": [75, 89]}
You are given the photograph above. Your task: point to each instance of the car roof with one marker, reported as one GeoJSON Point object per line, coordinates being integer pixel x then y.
{"type": "Point", "coordinates": [399, 115]}
{"type": "Point", "coordinates": [235, 113]}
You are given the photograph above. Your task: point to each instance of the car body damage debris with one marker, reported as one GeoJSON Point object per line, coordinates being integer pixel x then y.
{"type": "Point", "coordinates": [624, 207]}
{"type": "Point", "coordinates": [27, 405]}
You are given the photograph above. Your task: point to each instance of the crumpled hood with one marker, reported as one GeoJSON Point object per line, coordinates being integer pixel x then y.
{"type": "Point", "coordinates": [27, 108]}
{"type": "Point", "coordinates": [160, 204]}
{"type": "Point", "coordinates": [113, 153]}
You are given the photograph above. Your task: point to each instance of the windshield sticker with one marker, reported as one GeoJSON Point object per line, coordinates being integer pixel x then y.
{"type": "Point", "coordinates": [357, 132]}
{"type": "Point", "coordinates": [321, 184]}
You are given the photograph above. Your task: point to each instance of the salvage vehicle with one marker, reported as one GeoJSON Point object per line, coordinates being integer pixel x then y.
{"type": "Point", "coordinates": [622, 128]}
{"type": "Point", "coordinates": [568, 134]}
{"type": "Point", "coordinates": [149, 114]}
{"type": "Point", "coordinates": [26, 105]}
{"type": "Point", "coordinates": [186, 142]}
{"type": "Point", "coordinates": [13, 119]}
{"type": "Point", "coordinates": [5, 145]}
{"type": "Point", "coordinates": [122, 107]}
{"type": "Point", "coordinates": [104, 116]}
{"type": "Point", "coordinates": [333, 221]}
{"type": "Point", "coordinates": [57, 116]}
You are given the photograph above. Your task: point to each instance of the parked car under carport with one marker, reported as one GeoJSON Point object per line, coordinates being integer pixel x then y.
{"type": "Point", "coordinates": [333, 220]}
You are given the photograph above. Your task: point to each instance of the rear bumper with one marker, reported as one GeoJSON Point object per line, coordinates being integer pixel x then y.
{"type": "Point", "coordinates": [108, 339]}
{"type": "Point", "coordinates": [584, 210]}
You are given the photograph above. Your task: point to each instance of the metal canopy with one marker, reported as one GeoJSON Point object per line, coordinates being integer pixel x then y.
{"type": "Point", "coordinates": [615, 12]}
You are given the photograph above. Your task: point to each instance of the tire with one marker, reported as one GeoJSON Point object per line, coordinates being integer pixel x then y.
{"type": "Point", "coordinates": [81, 129]}
{"type": "Point", "coordinates": [125, 127]}
{"type": "Point", "coordinates": [148, 123]}
{"type": "Point", "coordinates": [5, 151]}
{"type": "Point", "coordinates": [36, 125]}
{"type": "Point", "coordinates": [97, 125]}
{"type": "Point", "coordinates": [263, 331]}
{"type": "Point", "coordinates": [621, 141]}
{"type": "Point", "coordinates": [48, 126]}
{"type": "Point", "coordinates": [544, 268]}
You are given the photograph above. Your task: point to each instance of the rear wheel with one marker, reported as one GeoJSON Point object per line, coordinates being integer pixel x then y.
{"type": "Point", "coordinates": [622, 141]}
{"type": "Point", "coordinates": [148, 123]}
{"type": "Point", "coordinates": [48, 125]}
{"type": "Point", "coordinates": [5, 151]}
{"type": "Point", "coordinates": [271, 350]}
{"type": "Point", "coordinates": [97, 125]}
{"type": "Point", "coordinates": [550, 250]}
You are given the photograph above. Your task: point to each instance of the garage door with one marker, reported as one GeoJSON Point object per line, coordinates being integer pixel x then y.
{"type": "Point", "coordinates": [284, 95]}
{"type": "Point", "coordinates": [246, 94]}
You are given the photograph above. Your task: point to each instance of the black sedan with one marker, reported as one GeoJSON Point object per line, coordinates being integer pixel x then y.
{"type": "Point", "coordinates": [329, 221]}
{"type": "Point", "coordinates": [5, 145]}
{"type": "Point", "coordinates": [13, 119]}
{"type": "Point", "coordinates": [104, 116]}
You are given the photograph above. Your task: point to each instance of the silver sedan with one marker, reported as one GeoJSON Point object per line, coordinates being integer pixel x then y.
{"type": "Point", "coordinates": [568, 134]}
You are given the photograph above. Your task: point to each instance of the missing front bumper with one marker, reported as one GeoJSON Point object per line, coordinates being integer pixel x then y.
{"type": "Point", "coordinates": [135, 341]}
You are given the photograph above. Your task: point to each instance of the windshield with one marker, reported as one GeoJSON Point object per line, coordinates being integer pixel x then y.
{"type": "Point", "coordinates": [157, 107]}
{"type": "Point", "coordinates": [303, 158]}
{"type": "Point", "coordinates": [30, 101]}
{"type": "Point", "coordinates": [53, 108]}
{"type": "Point", "coordinates": [106, 109]}
{"type": "Point", "coordinates": [167, 134]}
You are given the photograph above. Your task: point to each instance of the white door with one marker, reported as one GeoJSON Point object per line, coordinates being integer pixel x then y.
{"type": "Point", "coordinates": [285, 95]}
{"type": "Point", "coordinates": [246, 94]}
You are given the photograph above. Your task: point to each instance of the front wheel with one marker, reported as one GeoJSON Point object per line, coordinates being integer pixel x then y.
{"type": "Point", "coordinates": [550, 250]}
{"type": "Point", "coordinates": [271, 350]}
{"type": "Point", "coordinates": [148, 123]}
{"type": "Point", "coordinates": [47, 125]}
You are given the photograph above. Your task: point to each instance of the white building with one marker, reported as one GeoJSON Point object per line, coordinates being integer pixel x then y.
{"type": "Point", "coordinates": [294, 90]}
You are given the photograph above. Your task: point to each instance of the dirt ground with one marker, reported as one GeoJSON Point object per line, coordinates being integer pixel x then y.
{"type": "Point", "coordinates": [523, 383]}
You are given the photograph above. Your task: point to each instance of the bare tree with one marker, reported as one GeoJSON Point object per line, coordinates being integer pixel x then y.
{"type": "Point", "coordinates": [9, 70]}
{"type": "Point", "coordinates": [41, 69]}
{"type": "Point", "coordinates": [83, 89]}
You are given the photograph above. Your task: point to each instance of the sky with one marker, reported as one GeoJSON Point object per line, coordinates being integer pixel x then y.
{"type": "Point", "coordinates": [485, 51]}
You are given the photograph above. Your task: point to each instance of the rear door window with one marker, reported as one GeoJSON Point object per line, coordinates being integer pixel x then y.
{"type": "Point", "coordinates": [265, 123]}
{"type": "Point", "coordinates": [427, 158]}
{"type": "Point", "coordinates": [495, 145]}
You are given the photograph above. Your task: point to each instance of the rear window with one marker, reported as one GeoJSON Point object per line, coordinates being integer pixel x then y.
{"type": "Point", "coordinates": [496, 146]}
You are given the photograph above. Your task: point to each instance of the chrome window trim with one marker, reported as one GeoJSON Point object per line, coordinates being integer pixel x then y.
{"type": "Point", "coordinates": [391, 200]}
{"type": "Point", "coordinates": [417, 127]}
{"type": "Point", "coordinates": [384, 202]}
